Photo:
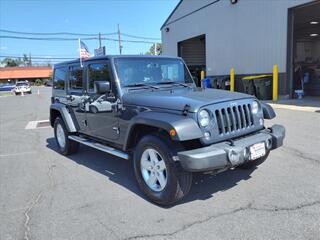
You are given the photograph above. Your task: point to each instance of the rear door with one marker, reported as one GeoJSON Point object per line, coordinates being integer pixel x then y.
{"type": "Point", "coordinates": [75, 95]}
{"type": "Point", "coordinates": [101, 117]}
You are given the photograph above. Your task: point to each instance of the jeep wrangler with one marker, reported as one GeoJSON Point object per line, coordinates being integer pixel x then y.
{"type": "Point", "coordinates": [148, 109]}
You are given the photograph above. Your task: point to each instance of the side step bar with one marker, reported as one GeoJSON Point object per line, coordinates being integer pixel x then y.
{"type": "Point", "coordinates": [100, 146]}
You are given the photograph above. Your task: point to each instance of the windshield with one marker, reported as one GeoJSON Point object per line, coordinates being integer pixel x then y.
{"type": "Point", "coordinates": [150, 71]}
{"type": "Point", "coordinates": [19, 84]}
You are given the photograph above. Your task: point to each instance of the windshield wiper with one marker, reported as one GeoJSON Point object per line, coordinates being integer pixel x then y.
{"type": "Point", "coordinates": [173, 82]}
{"type": "Point", "coordinates": [141, 85]}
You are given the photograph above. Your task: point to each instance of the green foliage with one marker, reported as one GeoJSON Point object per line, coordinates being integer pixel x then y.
{"type": "Point", "coordinates": [25, 60]}
{"type": "Point", "coordinates": [151, 50]}
{"type": "Point", "coordinates": [38, 82]}
{"type": "Point", "coordinates": [10, 62]}
{"type": "Point", "coordinates": [16, 62]}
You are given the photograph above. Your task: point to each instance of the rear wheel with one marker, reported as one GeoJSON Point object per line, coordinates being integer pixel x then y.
{"type": "Point", "coordinates": [65, 145]}
{"type": "Point", "coordinates": [254, 163]}
{"type": "Point", "coordinates": [158, 176]}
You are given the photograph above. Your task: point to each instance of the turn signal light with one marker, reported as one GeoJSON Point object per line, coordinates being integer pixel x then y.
{"type": "Point", "coordinates": [173, 133]}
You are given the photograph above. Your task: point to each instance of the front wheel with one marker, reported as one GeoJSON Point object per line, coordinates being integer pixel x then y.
{"type": "Point", "coordinates": [65, 145]}
{"type": "Point", "coordinates": [93, 109]}
{"type": "Point", "coordinates": [158, 176]}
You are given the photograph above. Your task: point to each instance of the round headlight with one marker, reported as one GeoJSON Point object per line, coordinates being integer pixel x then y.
{"type": "Point", "coordinates": [254, 107]}
{"type": "Point", "coordinates": [204, 118]}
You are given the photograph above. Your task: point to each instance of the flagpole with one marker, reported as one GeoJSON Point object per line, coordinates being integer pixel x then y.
{"type": "Point", "coordinates": [80, 53]}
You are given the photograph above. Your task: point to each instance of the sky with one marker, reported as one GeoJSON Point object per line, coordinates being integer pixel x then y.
{"type": "Point", "coordinates": [135, 17]}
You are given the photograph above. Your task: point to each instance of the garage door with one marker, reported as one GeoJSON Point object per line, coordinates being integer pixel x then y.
{"type": "Point", "coordinates": [193, 51]}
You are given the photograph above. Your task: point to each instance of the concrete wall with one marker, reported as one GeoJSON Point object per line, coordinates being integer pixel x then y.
{"type": "Point", "coordinates": [250, 36]}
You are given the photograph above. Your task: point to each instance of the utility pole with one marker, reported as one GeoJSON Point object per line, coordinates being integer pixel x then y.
{"type": "Point", "coordinates": [99, 40]}
{"type": "Point", "coordinates": [155, 48]}
{"type": "Point", "coordinates": [119, 40]}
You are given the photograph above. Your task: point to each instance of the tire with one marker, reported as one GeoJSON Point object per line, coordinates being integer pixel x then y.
{"type": "Point", "coordinates": [60, 131]}
{"type": "Point", "coordinates": [254, 163]}
{"type": "Point", "coordinates": [93, 109]}
{"type": "Point", "coordinates": [178, 182]}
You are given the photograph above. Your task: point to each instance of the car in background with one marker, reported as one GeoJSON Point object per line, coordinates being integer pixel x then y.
{"type": "Point", "coordinates": [22, 87]}
{"type": "Point", "coordinates": [49, 83]}
{"type": "Point", "coordinates": [7, 87]}
{"type": "Point", "coordinates": [100, 105]}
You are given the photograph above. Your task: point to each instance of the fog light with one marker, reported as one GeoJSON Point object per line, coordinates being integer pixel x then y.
{"type": "Point", "coordinates": [268, 143]}
{"type": "Point", "coordinates": [234, 157]}
{"type": "Point", "coordinates": [207, 135]}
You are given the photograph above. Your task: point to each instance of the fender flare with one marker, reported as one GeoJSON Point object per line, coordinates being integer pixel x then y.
{"type": "Point", "coordinates": [268, 112]}
{"type": "Point", "coordinates": [66, 116]}
{"type": "Point", "coordinates": [186, 127]}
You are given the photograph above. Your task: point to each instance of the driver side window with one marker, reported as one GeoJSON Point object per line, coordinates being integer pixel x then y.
{"type": "Point", "coordinates": [97, 72]}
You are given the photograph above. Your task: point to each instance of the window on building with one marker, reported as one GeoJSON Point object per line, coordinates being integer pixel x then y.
{"type": "Point", "coordinates": [97, 72]}
{"type": "Point", "coordinates": [75, 78]}
{"type": "Point", "coordinates": [59, 78]}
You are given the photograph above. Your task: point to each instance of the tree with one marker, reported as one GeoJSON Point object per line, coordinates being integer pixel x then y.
{"type": "Point", "coordinates": [151, 50]}
{"type": "Point", "coordinates": [26, 61]}
{"type": "Point", "coordinates": [10, 62]}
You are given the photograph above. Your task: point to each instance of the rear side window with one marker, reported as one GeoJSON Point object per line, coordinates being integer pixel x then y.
{"type": "Point", "coordinates": [97, 72]}
{"type": "Point", "coordinates": [75, 78]}
{"type": "Point", "coordinates": [59, 78]}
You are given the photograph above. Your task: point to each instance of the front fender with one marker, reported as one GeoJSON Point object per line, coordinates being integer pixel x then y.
{"type": "Point", "coordinates": [65, 114]}
{"type": "Point", "coordinates": [268, 112]}
{"type": "Point", "coordinates": [186, 128]}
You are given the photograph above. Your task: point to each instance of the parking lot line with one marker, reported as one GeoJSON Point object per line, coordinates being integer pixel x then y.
{"type": "Point", "coordinates": [16, 154]}
{"type": "Point", "coordinates": [37, 124]}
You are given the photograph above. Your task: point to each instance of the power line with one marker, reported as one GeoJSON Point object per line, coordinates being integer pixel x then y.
{"type": "Point", "coordinates": [41, 55]}
{"type": "Point", "coordinates": [140, 37]}
{"type": "Point", "coordinates": [72, 39]}
{"type": "Point", "coordinates": [56, 33]}
{"type": "Point", "coordinates": [46, 58]}
{"type": "Point", "coordinates": [77, 34]}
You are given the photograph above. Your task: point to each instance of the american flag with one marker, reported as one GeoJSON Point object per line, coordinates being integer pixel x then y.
{"type": "Point", "coordinates": [84, 52]}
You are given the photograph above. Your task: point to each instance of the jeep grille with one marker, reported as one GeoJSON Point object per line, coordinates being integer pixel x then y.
{"type": "Point", "coordinates": [234, 118]}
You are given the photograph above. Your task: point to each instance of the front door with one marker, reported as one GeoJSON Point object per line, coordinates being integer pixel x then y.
{"type": "Point", "coordinates": [102, 119]}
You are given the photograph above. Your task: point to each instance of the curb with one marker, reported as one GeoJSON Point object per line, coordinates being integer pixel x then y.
{"type": "Point", "coordinates": [295, 107]}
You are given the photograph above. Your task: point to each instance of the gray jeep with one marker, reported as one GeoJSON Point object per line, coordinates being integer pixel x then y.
{"type": "Point", "coordinates": [148, 110]}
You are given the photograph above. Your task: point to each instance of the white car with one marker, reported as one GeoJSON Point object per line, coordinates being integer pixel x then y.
{"type": "Point", "coordinates": [22, 87]}
{"type": "Point", "coordinates": [100, 105]}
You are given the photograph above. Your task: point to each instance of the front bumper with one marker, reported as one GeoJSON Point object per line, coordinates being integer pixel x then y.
{"type": "Point", "coordinates": [230, 153]}
{"type": "Point", "coordinates": [22, 90]}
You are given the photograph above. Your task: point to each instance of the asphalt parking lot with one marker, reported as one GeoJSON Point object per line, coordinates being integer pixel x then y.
{"type": "Point", "coordinates": [92, 195]}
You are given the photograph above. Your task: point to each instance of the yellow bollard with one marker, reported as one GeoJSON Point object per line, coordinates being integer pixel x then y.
{"type": "Point", "coordinates": [202, 75]}
{"type": "Point", "coordinates": [275, 83]}
{"type": "Point", "coordinates": [232, 79]}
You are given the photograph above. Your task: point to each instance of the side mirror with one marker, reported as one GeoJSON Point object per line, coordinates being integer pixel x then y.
{"type": "Point", "coordinates": [102, 87]}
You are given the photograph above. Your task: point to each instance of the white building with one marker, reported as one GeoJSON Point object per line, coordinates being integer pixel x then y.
{"type": "Point", "coordinates": [249, 35]}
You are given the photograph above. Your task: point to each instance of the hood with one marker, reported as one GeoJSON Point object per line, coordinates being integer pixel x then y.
{"type": "Point", "coordinates": [177, 99]}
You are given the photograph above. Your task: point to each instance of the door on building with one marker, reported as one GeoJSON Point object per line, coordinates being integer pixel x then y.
{"type": "Point", "coordinates": [193, 52]}
{"type": "Point", "coordinates": [304, 49]}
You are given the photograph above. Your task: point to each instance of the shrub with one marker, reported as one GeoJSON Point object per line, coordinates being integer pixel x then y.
{"type": "Point", "coordinates": [38, 82]}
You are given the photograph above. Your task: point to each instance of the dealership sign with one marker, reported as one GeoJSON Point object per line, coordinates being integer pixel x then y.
{"type": "Point", "coordinates": [100, 51]}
